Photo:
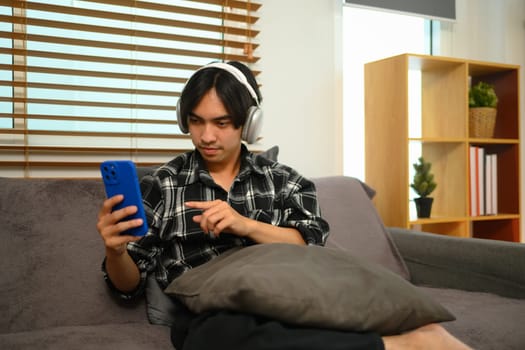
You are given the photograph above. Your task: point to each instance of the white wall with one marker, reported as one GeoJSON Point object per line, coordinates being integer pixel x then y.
{"type": "Point", "coordinates": [488, 30]}
{"type": "Point", "coordinates": [301, 82]}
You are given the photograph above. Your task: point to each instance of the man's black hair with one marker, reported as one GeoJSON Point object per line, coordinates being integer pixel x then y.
{"type": "Point", "coordinates": [233, 94]}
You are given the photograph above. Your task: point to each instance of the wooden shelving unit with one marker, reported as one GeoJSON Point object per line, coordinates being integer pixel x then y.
{"type": "Point", "coordinates": [418, 105]}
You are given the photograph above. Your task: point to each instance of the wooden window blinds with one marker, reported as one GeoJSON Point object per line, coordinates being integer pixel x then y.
{"type": "Point", "coordinates": [82, 81]}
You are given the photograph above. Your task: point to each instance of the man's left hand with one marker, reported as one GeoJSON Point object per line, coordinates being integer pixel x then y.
{"type": "Point", "coordinates": [218, 216]}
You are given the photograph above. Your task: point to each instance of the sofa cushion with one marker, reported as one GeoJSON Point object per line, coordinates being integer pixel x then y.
{"type": "Point", "coordinates": [308, 286]}
{"type": "Point", "coordinates": [484, 321]}
{"type": "Point", "coordinates": [51, 225]}
{"type": "Point", "coordinates": [355, 224]}
{"type": "Point", "coordinates": [129, 336]}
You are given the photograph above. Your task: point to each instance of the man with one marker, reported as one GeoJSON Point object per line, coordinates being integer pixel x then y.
{"type": "Point", "coordinates": [220, 196]}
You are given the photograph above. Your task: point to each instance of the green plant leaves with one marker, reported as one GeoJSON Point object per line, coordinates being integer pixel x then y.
{"type": "Point", "coordinates": [482, 95]}
{"type": "Point", "coordinates": [423, 182]}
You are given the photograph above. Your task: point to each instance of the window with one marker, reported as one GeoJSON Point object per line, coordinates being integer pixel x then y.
{"type": "Point", "coordinates": [370, 35]}
{"type": "Point", "coordinates": [82, 81]}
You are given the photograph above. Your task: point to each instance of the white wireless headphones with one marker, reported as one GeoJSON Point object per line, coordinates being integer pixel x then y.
{"type": "Point", "coordinates": [252, 127]}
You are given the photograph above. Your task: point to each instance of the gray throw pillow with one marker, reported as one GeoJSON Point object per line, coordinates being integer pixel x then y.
{"type": "Point", "coordinates": [308, 286]}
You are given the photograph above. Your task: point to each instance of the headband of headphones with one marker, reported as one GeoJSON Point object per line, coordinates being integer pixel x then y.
{"type": "Point", "coordinates": [236, 73]}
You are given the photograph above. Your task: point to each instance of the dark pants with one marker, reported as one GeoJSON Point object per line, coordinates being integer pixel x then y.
{"type": "Point", "coordinates": [235, 331]}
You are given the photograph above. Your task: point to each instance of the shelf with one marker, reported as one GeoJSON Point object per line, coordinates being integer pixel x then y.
{"type": "Point", "coordinates": [437, 139]}
{"type": "Point", "coordinates": [493, 141]}
{"type": "Point", "coordinates": [468, 140]}
{"type": "Point", "coordinates": [495, 217]}
{"type": "Point", "coordinates": [417, 105]}
{"type": "Point", "coordinates": [438, 220]}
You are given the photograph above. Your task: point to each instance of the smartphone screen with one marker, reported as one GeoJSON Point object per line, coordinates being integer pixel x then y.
{"type": "Point", "coordinates": [120, 177]}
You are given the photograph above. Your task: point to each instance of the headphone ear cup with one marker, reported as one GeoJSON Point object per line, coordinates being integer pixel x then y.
{"type": "Point", "coordinates": [180, 119]}
{"type": "Point", "coordinates": [253, 125]}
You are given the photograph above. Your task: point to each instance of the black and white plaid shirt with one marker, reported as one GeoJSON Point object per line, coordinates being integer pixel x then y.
{"type": "Point", "coordinates": [264, 190]}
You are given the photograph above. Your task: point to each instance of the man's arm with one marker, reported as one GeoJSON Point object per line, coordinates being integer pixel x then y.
{"type": "Point", "coordinates": [122, 271]}
{"type": "Point", "coordinates": [261, 232]}
{"type": "Point", "coordinates": [217, 216]}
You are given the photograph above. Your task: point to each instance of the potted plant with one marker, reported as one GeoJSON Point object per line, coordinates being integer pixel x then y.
{"type": "Point", "coordinates": [423, 184]}
{"type": "Point", "coordinates": [482, 110]}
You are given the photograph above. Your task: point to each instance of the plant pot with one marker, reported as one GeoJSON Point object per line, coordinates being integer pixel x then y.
{"type": "Point", "coordinates": [423, 206]}
{"type": "Point", "coordinates": [482, 121]}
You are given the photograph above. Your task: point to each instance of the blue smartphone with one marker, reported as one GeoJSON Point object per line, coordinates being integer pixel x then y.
{"type": "Point", "coordinates": [120, 177]}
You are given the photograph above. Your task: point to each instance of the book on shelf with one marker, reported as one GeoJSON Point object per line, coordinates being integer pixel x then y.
{"type": "Point", "coordinates": [483, 182]}
{"type": "Point", "coordinates": [488, 185]}
{"type": "Point", "coordinates": [473, 181]}
{"type": "Point", "coordinates": [494, 182]}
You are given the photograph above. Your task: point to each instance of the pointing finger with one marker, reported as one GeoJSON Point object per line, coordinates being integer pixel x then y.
{"type": "Point", "coordinates": [200, 205]}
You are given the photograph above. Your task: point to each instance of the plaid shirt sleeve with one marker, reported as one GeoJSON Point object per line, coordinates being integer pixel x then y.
{"type": "Point", "coordinates": [282, 197]}
{"type": "Point", "coordinates": [305, 215]}
{"type": "Point", "coordinates": [302, 211]}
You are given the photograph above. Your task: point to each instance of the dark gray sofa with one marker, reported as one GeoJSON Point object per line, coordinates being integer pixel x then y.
{"type": "Point", "coordinates": [52, 295]}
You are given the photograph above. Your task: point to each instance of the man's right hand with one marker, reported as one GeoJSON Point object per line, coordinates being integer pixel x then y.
{"type": "Point", "coordinates": [110, 225]}
{"type": "Point", "coordinates": [121, 269]}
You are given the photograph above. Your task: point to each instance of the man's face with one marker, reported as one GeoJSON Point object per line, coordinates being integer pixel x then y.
{"type": "Point", "coordinates": [213, 133]}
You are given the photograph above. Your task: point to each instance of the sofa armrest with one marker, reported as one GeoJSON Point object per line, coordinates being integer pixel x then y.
{"type": "Point", "coordinates": [463, 263]}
